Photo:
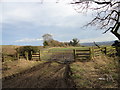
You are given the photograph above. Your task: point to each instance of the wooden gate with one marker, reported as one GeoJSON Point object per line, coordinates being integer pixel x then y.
{"type": "Point", "coordinates": [82, 54]}
{"type": "Point", "coordinates": [36, 56]}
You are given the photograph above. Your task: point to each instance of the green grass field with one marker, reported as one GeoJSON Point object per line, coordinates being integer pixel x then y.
{"type": "Point", "coordinates": [63, 49]}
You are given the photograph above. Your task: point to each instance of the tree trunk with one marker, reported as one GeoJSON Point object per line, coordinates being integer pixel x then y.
{"type": "Point", "coordinates": [117, 35]}
{"type": "Point", "coordinates": [116, 29]}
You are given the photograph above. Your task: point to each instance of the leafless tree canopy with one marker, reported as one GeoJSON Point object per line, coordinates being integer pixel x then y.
{"type": "Point", "coordinates": [47, 37]}
{"type": "Point", "coordinates": [108, 13]}
{"type": "Point", "coordinates": [107, 16]}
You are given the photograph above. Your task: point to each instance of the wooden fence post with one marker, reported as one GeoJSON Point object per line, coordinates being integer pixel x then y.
{"type": "Point", "coordinates": [105, 51]}
{"type": "Point", "coordinates": [3, 59]}
{"type": "Point", "coordinates": [118, 51]}
{"type": "Point", "coordinates": [39, 55]}
{"type": "Point", "coordinates": [90, 53]}
{"type": "Point", "coordinates": [26, 55]}
{"type": "Point", "coordinates": [18, 55]}
{"type": "Point", "coordinates": [14, 57]}
{"type": "Point", "coordinates": [93, 53]}
{"type": "Point", "coordinates": [31, 55]}
{"type": "Point", "coordinates": [74, 54]}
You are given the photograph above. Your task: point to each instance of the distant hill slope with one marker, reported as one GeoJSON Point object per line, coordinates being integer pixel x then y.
{"type": "Point", "coordinates": [99, 43]}
{"type": "Point", "coordinates": [9, 49]}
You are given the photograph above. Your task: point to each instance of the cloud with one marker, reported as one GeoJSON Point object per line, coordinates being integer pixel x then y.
{"type": "Point", "coordinates": [47, 14]}
{"type": "Point", "coordinates": [65, 1]}
{"type": "Point", "coordinates": [21, 0]}
{"type": "Point", "coordinates": [28, 40]}
{"type": "Point", "coordinates": [30, 20]}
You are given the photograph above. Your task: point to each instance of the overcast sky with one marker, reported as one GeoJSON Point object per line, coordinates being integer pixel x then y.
{"type": "Point", "coordinates": [24, 22]}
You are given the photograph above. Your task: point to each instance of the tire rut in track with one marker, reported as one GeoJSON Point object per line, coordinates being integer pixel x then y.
{"type": "Point", "coordinates": [61, 79]}
{"type": "Point", "coordinates": [42, 76]}
{"type": "Point", "coordinates": [29, 79]}
{"type": "Point", "coordinates": [53, 80]}
{"type": "Point", "coordinates": [16, 80]}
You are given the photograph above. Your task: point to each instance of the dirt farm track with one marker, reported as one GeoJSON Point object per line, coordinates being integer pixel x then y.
{"type": "Point", "coordinates": [45, 75]}
{"type": "Point", "coordinates": [69, 69]}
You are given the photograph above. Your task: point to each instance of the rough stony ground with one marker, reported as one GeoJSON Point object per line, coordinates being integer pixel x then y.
{"type": "Point", "coordinates": [45, 75]}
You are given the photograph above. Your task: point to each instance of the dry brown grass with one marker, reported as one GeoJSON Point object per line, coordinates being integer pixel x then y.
{"type": "Point", "coordinates": [88, 74]}
{"type": "Point", "coordinates": [13, 67]}
{"type": "Point", "coordinates": [9, 49]}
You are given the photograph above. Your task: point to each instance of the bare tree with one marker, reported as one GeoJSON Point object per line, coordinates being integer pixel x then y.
{"type": "Point", "coordinates": [47, 37]}
{"type": "Point", "coordinates": [107, 16]}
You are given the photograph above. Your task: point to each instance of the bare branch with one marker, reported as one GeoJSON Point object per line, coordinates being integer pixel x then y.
{"type": "Point", "coordinates": [108, 30]}
{"type": "Point", "coordinates": [103, 2]}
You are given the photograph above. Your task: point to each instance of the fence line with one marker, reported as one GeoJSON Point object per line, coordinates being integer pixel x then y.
{"type": "Point", "coordinates": [93, 52]}
{"type": "Point", "coordinates": [106, 50]}
{"type": "Point", "coordinates": [84, 53]}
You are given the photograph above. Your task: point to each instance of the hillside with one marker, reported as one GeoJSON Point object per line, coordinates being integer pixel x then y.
{"type": "Point", "coordinates": [99, 43]}
{"type": "Point", "coordinates": [11, 49]}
